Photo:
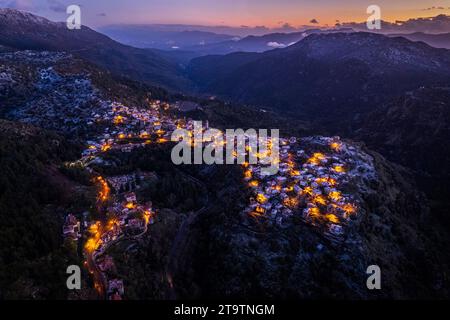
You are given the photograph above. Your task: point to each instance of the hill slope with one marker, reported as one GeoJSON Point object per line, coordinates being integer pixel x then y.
{"type": "Point", "coordinates": [413, 130]}
{"type": "Point", "coordinates": [441, 40]}
{"type": "Point", "coordinates": [326, 77]}
{"type": "Point", "coordinates": [33, 258]}
{"type": "Point", "coordinates": [23, 30]}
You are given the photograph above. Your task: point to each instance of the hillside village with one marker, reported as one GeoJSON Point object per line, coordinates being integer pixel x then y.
{"type": "Point", "coordinates": [87, 179]}
{"type": "Point", "coordinates": [311, 183]}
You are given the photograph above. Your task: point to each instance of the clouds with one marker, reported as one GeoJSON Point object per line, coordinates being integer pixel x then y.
{"type": "Point", "coordinates": [17, 4]}
{"type": "Point", "coordinates": [284, 27]}
{"type": "Point", "coordinates": [56, 6]}
{"type": "Point", "coordinates": [34, 6]}
{"type": "Point", "coordinates": [275, 44]}
{"type": "Point", "coordinates": [437, 24]}
{"type": "Point", "coordinates": [435, 8]}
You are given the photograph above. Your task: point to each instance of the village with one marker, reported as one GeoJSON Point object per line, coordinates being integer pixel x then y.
{"type": "Point", "coordinates": [307, 185]}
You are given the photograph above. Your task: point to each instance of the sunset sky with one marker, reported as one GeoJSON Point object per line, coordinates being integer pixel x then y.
{"type": "Point", "coordinates": [270, 13]}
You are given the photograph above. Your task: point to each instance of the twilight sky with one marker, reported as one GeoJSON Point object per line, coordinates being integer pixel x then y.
{"type": "Point", "coordinates": [271, 13]}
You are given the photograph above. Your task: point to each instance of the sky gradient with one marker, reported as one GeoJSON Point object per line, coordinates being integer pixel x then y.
{"type": "Point", "coordinates": [270, 13]}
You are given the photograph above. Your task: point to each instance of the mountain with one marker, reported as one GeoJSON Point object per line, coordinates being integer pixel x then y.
{"type": "Point", "coordinates": [154, 36]}
{"type": "Point", "coordinates": [413, 130]}
{"type": "Point", "coordinates": [325, 77]}
{"type": "Point", "coordinates": [259, 43]}
{"type": "Point", "coordinates": [57, 91]}
{"type": "Point", "coordinates": [251, 43]}
{"type": "Point", "coordinates": [441, 40]}
{"type": "Point", "coordinates": [21, 30]}
{"type": "Point", "coordinates": [181, 46]}
{"type": "Point", "coordinates": [203, 243]}
{"type": "Point", "coordinates": [294, 263]}
{"type": "Point", "coordinates": [136, 31]}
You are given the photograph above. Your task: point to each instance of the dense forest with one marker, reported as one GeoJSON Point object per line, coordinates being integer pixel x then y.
{"type": "Point", "coordinates": [33, 259]}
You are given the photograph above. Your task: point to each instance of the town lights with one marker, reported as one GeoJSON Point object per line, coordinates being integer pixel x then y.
{"type": "Point", "coordinates": [336, 146]}
{"type": "Point", "coordinates": [91, 245]}
{"type": "Point", "coordinates": [111, 224]}
{"type": "Point", "coordinates": [105, 190]}
{"type": "Point", "coordinates": [316, 158]}
{"type": "Point", "coordinates": [144, 135]}
{"type": "Point", "coordinates": [106, 147]}
{"type": "Point", "coordinates": [147, 215]}
{"type": "Point", "coordinates": [291, 202]}
{"type": "Point", "coordinates": [319, 199]}
{"type": "Point", "coordinates": [261, 198]}
{"type": "Point", "coordinates": [335, 195]}
{"type": "Point", "coordinates": [329, 181]}
{"type": "Point", "coordinates": [254, 184]}
{"type": "Point", "coordinates": [314, 212]}
{"type": "Point", "coordinates": [118, 120]}
{"type": "Point", "coordinates": [308, 190]}
{"type": "Point", "coordinates": [130, 205]}
{"type": "Point", "coordinates": [295, 173]}
{"type": "Point", "coordinates": [260, 210]}
{"type": "Point", "coordinates": [94, 228]}
{"type": "Point", "coordinates": [276, 187]}
{"type": "Point", "coordinates": [332, 218]}
{"type": "Point", "coordinates": [319, 156]}
{"type": "Point", "coordinates": [339, 169]}
{"type": "Point", "coordinates": [349, 208]}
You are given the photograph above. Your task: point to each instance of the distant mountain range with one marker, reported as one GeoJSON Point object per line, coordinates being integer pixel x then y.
{"type": "Point", "coordinates": [259, 43]}
{"type": "Point", "coordinates": [319, 75]}
{"type": "Point", "coordinates": [222, 40]}
{"type": "Point", "coordinates": [162, 38]}
{"type": "Point", "coordinates": [23, 30]}
{"type": "Point", "coordinates": [432, 25]}
{"type": "Point", "coordinates": [327, 77]}
{"type": "Point", "coordinates": [441, 40]}
{"type": "Point", "coordinates": [202, 42]}
{"type": "Point", "coordinates": [236, 31]}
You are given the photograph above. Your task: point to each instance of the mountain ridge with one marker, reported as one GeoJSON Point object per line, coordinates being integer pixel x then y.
{"type": "Point", "coordinates": [23, 31]}
{"type": "Point", "coordinates": [319, 75]}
